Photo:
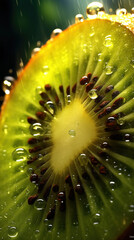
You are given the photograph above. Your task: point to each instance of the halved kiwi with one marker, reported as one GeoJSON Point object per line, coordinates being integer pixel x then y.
{"type": "Point", "coordinates": [67, 138]}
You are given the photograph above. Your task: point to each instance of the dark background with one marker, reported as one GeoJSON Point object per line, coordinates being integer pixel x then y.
{"type": "Point", "coordinates": [24, 22]}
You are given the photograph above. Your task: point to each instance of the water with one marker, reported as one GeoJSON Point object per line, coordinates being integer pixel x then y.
{"type": "Point", "coordinates": [72, 133]}
{"type": "Point", "coordinates": [8, 84]}
{"type": "Point", "coordinates": [93, 94]}
{"type": "Point", "coordinates": [55, 32]}
{"type": "Point", "coordinates": [39, 204]}
{"type": "Point", "coordinates": [94, 8]}
{"type": "Point", "coordinates": [19, 154]}
{"type": "Point", "coordinates": [12, 232]}
{"type": "Point", "coordinates": [79, 18]}
{"type": "Point", "coordinates": [36, 129]}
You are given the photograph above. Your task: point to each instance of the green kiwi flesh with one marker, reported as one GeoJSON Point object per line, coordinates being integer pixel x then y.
{"type": "Point", "coordinates": [93, 196]}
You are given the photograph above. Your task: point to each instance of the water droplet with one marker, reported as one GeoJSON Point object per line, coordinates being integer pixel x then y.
{"type": "Point", "coordinates": [12, 232]}
{"type": "Point", "coordinates": [132, 11]}
{"type": "Point", "coordinates": [112, 185]}
{"type": "Point", "coordinates": [50, 227]}
{"type": "Point", "coordinates": [39, 90]}
{"type": "Point", "coordinates": [68, 99]}
{"type": "Point", "coordinates": [7, 84]}
{"type": "Point", "coordinates": [29, 171]}
{"type": "Point", "coordinates": [108, 42]}
{"type": "Point", "coordinates": [93, 9]}
{"type": "Point", "coordinates": [19, 154]}
{"type": "Point", "coordinates": [132, 63]}
{"type": "Point", "coordinates": [100, 57]}
{"type": "Point", "coordinates": [83, 159]}
{"type": "Point", "coordinates": [5, 129]}
{"type": "Point", "coordinates": [50, 107]}
{"type": "Point", "coordinates": [127, 137]}
{"type": "Point", "coordinates": [36, 129]}
{"type": "Point", "coordinates": [93, 94]}
{"type": "Point", "coordinates": [120, 122]}
{"type": "Point", "coordinates": [121, 11]}
{"type": "Point", "coordinates": [39, 204]}
{"type": "Point", "coordinates": [55, 32]}
{"type": "Point", "coordinates": [72, 133]}
{"type": "Point", "coordinates": [96, 219]}
{"type": "Point", "coordinates": [109, 70]}
{"type": "Point", "coordinates": [79, 18]}
{"type": "Point", "coordinates": [35, 50]}
{"type": "Point", "coordinates": [45, 70]}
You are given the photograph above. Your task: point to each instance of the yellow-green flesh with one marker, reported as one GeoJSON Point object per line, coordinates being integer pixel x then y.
{"type": "Point", "coordinates": [106, 208]}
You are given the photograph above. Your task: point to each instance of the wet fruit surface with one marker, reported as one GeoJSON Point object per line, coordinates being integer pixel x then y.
{"type": "Point", "coordinates": [67, 149]}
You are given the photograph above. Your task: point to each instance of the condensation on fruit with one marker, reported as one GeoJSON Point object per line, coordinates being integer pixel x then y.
{"type": "Point", "coordinates": [19, 154]}
{"type": "Point", "coordinates": [93, 94]}
{"type": "Point", "coordinates": [108, 42]}
{"type": "Point", "coordinates": [39, 204]}
{"type": "Point", "coordinates": [36, 129]}
{"type": "Point", "coordinates": [12, 232]}
{"type": "Point", "coordinates": [55, 32]}
{"type": "Point", "coordinates": [72, 133]}
{"type": "Point", "coordinates": [79, 18]}
{"type": "Point", "coordinates": [50, 107]}
{"type": "Point", "coordinates": [45, 70]}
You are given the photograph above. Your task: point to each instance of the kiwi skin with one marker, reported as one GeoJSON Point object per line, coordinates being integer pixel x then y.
{"type": "Point", "coordinates": [35, 195]}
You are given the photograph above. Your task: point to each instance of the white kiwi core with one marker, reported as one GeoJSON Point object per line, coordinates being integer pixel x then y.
{"type": "Point", "coordinates": [73, 130]}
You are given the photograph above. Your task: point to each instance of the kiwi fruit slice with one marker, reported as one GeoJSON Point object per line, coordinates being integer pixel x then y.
{"type": "Point", "coordinates": [67, 138]}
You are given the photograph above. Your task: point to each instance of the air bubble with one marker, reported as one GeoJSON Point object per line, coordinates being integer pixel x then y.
{"type": "Point", "coordinates": [55, 32]}
{"type": "Point", "coordinates": [7, 84]}
{"type": "Point", "coordinates": [36, 129]}
{"type": "Point", "coordinates": [93, 9]}
{"type": "Point", "coordinates": [93, 94]}
{"type": "Point", "coordinates": [72, 133]}
{"type": "Point", "coordinates": [45, 70]}
{"type": "Point", "coordinates": [19, 154]}
{"type": "Point", "coordinates": [50, 107]}
{"type": "Point", "coordinates": [83, 159]}
{"type": "Point", "coordinates": [108, 42]}
{"type": "Point", "coordinates": [12, 232]}
{"type": "Point", "coordinates": [79, 18]}
{"type": "Point", "coordinates": [109, 70]}
{"type": "Point", "coordinates": [121, 11]}
{"type": "Point", "coordinates": [39, 204]}
{"type": "Point", "coordinates": [35, 50]}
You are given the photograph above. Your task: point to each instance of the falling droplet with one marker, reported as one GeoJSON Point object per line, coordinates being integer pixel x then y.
{"type": "Point", "coordinates": [93, 94]}
{"type": "Point", "coordinates": [7, 84]}
{"type": "Point", "coordinates": [72, 133]}
{"type": "Point", "coordinates": [93, 9]}
{"type": "Point", "coordinates": [39, 204]}
{"type": "Point", "coordinates": [12, 232]}
{"type": "Point", "coordinates": [121, 11]}
{"type": "Point", "coordinates": [109, 70]}
{"type": "Point", "coordinates": [55, 32]}
{"type": "Point", "coordinates": [79, 18]}
{"type": "Point", "coordinates": [19, 154]}
{"type": "Point", "coordinates": [36, 129]}
{"type": "Point", "coordinates": [45, 70]}
{"type": "Point", "coordinates": [35, 50]}
{"type": "Point", "coordinates": [50, 107]}
{"type": "Point", "coordinates": [108, 42]}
